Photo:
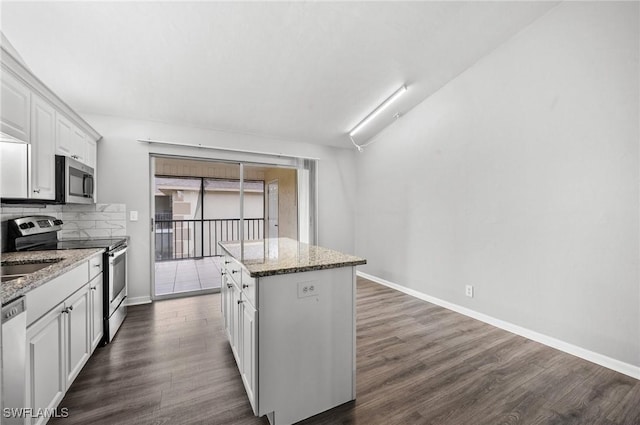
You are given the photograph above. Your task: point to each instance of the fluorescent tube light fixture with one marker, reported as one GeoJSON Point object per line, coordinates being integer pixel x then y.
{"type": "Point", "coordinates": [378, 110]}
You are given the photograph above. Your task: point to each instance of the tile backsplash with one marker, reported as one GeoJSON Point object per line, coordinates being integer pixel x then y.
{"type": "Point", "coordinates": [80, 221]}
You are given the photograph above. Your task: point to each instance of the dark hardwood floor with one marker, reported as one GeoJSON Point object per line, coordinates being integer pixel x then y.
{"type": "Point", "coordinates": [417, 363]}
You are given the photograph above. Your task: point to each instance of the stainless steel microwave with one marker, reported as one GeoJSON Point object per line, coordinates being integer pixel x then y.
{"type": "Point", "coordinates": [75, 182]}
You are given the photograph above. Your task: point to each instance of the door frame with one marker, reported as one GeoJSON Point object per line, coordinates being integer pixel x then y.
{"type": "Point", "coordinates": [268, 207]}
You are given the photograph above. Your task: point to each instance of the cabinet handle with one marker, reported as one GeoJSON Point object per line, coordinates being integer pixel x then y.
{"type": "Point", "coordinates": [229, 285]}
{"type": "Point", "coordinates": [65, 311]}
{"type": "Point", "coordinates": [223, 273]}
{"type": "Point", "coordinates": [96, 265]}
{"type": "Point", "coordinates": [240, 302]}
{"type": "Point", "coordinates": [70, 308]}
{"type": "Point", "coordinates": [93, 289]}
{"type": "Point", "coordinates": [75, 156]}
{"type": "Point", "coordinates": [227, 262]}
{"type": "Point", "coordinates": [36, 190]}
{"type": "Point", "coordinates": [245, 285]}
{"type": "Point", "coordinates": [234, 271]}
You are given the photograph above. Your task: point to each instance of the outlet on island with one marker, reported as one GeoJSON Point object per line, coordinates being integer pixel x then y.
{"type": "Point", "coordinates": [307, 289]}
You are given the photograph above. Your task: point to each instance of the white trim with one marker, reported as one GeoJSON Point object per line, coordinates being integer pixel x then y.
{"type": "Point", "coordinates": [583, 353]}
{"type": "Point", "coordinates": [138, 300]}
{"type": "Point", "coordinates": [217, 148]}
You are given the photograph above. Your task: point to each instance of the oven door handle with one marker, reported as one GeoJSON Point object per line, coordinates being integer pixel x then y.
{"type": "Point", "coordinates": [117, 253]}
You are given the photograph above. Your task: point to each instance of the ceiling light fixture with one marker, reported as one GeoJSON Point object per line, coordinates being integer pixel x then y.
{"type": "Point", "coordinates": [378, 110]}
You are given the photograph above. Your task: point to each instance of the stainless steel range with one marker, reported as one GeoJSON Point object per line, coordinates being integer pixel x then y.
{"type": "Point", "coordinates": [38, 233]}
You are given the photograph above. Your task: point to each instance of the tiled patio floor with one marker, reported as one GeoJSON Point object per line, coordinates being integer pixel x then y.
{"type": "Point", "coordinates": [187, 275]}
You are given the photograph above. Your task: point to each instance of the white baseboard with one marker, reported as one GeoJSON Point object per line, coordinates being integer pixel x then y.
{"type": "Point", "coordinates": [583, 353]}
{"type": "Point", "coordinates": [138, 300]}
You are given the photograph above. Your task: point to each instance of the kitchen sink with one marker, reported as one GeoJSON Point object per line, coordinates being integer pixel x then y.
{"type": "Point", "coordinates": [14, 270]}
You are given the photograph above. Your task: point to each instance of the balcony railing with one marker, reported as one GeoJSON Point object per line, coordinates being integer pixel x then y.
{"type": "Point", "coordinates": [182, 239]}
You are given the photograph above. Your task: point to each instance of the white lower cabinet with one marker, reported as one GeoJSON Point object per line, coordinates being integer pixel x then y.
{"type": "Point", "coordinates": [239, 317]}
{"type": "Point", "coordinates": [60, 342]}
{"type": "Point", "coordinates": [248, 350]}
{"type": "Point", "coordinates": [234, 328]}
{"type": "Point", "coordinates": [57, 349]}
{"type": "Point", "coordinates": [97, 326]}
{"type": "Point", "coordinates": [77, 324]}
{"type": "Point", "coordinates": [45, 372]}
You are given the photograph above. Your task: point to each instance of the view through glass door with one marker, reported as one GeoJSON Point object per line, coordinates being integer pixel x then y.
{"type": "Point", "coordinates": [199, 203]}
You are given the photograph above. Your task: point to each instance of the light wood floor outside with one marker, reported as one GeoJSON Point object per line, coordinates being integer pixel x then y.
{"type": "Point", "coordinates": [417, 363]}
{"type": "Point", "coordinates": [178, 276]}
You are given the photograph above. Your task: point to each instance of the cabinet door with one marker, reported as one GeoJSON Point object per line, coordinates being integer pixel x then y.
{"type": "Point", "coordinates": [228, 309]}
{"type": "Point", "coordinates": [97, 326]}
{"type": "Point", "coordinates": [223, 300]}
{"type": "Point", "coordinates": [43, 129]}
{"type": "Point", "coordinates": [15, 100]}
{"type": "Point", "coordinates": [91, 152]}
{"type": "Point", "coordinates": [78, 332]}
{"type": "Point", "coordinates": [248, 350]}
{"type": "Point", "coordinates": [78, 145]}
{"type": "Point", "coordinates": [64, 141]}
{"type": "Point", "coordinates": [234, 322]}
{"type": "Point", "coordinates": [45, 372]}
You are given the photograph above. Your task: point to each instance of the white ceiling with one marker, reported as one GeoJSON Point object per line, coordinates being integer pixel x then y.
{"type": "Point", "coordinates": [300, 71]}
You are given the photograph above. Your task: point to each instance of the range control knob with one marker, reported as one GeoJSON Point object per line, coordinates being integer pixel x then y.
{"type": "Point", "coordinates": [57, 222]}
{"type": "Point", "coordinates": [24, 226]}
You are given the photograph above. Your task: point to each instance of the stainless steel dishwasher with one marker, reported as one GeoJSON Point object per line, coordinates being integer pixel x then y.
{"type": "Point", "coordinates": [14, 345]}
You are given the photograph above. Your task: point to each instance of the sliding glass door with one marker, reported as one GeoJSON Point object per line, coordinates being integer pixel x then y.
{"type": "Point", "coordinates": [199, 203]}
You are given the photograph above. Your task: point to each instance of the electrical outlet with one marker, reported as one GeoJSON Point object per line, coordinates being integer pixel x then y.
{"type": "Point", "coordinates": [307, 289]}
{"type": "Point", "coordinates": [133, 215]}
{"type": "Point", "coordinates": [468, 291]}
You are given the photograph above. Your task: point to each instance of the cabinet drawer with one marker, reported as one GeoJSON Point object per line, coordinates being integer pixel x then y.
{"type": "Point", "coordinates": [233, 270]}
{"type": "Point", "coordinates": [95, 266]}
{"type": "Point", "coordinates": [43, 298]}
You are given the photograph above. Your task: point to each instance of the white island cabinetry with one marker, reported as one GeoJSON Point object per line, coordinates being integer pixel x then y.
{"type": "Point", "coordinates": [289, 313]}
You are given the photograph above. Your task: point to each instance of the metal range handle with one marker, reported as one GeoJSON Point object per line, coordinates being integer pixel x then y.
{"type": "Point", "coordinates": [118, 253]}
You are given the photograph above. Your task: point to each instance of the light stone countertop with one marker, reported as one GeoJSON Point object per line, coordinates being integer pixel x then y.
{"type": "Point", "coordinates": [69, 259]}
{"type": "Point", "coordinates": [269, 257]}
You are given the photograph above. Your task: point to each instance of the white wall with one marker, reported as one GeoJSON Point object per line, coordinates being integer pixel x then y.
{"type": "Point", "coordinates": [520, 177]}
{"type": "Point", "coordinates": [123, 165]}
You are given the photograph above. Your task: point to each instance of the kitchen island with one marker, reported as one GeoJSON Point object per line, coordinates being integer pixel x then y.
{"type": "Point", "coordinates": [289, 314]}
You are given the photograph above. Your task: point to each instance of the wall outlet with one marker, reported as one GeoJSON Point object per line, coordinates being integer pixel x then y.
{"type": "Point", "coordinates": [307, 289]}
{"type": "Point", "coordinates": [133, 215]}
{"type": "Point", "coordinates": [468, 291]}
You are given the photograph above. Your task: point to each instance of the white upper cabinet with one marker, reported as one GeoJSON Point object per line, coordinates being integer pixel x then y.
{"type": "Point", "coordinates": [91, 156]}
{"type": "Point", "coordinates": [79, 144]}
{"type": "Point", "coordinates": [14, 107]}
{"type": "Point", "coordinates": [71, 141]}
{"type": "Point", "coordinates": [33, 116]}
{"type": "Point", "coordinates": [43, 135]}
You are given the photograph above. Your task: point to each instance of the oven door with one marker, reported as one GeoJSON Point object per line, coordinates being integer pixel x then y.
{"type": "Point", "coordinates": [117, 278]}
